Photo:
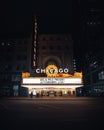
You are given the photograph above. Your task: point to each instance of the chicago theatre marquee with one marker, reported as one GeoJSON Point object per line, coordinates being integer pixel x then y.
{"type": "Point", "coordinates": [55, 83]}
{"type": "Point", "coordinates": [52, 66]}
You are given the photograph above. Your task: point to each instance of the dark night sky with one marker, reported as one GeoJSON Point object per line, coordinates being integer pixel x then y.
{"type": "Point", "coordinates": [53, 17]}
{"type": "Point", "coordinates": [16, 16]}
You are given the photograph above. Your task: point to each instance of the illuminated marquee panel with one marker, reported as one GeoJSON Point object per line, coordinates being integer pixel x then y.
{"type": "Point", "coordinates": [52, 86]}
{"type": "Point", "coordinates": [52, 81]}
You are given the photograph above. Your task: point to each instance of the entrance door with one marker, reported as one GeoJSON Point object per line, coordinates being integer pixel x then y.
{"type": "Point", "coordinates": [52, 93]}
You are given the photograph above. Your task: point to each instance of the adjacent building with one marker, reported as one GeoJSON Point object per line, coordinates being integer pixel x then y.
{"type": "Point", "coordinates": [91, 39]}
{"type": "Point", "coordinates": [94, 71]}
{"type": "Point", "coordinates": [15, 58]}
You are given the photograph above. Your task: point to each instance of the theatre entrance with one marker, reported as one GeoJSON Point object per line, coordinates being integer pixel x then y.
{"type": "Point", "coordinates": [49, 92]}
{"type": "Point", "coordinates": [53, 92]}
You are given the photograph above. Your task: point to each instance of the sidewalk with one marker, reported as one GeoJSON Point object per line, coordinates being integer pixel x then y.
{"type": "Point", "coordinates": [49, 98]}
{"type": "Point", "coordinates": [36, 98]}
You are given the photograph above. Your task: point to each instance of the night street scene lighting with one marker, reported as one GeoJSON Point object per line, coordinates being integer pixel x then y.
{"type": "Point", "coordinates": [51, 64]}
{"type": "Point", "coordinates": [70, 39]}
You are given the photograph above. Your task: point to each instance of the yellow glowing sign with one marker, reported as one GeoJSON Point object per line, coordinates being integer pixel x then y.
{"type": "Point", "coordinates": [25, 74]}
{"type": "Point", "coordinates": [51, 70]}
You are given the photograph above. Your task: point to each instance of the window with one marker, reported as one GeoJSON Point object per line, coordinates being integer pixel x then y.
{"type": "Point", "coordinates": [43, 47]}
{"type": "Point", "coordinates": [24, 57]}
{"type": "Point", "coordinates": [67, 47]}
{"type": "Point", "coordinates": [44, 39]}
{"type": "Point", "coordinates": [59, 47]}
{"type": "Point", "coordinates": [101, 75]}
{"type": "Point", "coordinates": [18, 67]}
{"type": "Point", "coordinates": [20, 42]}
{"type": "Point", "coordinates": [15, 77]}
{"type": "Point", "coordinates": [24, 67]}
{"type": "Point", "coordinates": [9, 58]}
{"type": "Point", "coordinates": [6, 67]}
{"type": "Point", "coordinates": [8, 44]}
{"type": "Point", "coordinates": [18, 57]}
{"type": "Point", "coordinates": [59, 39]}
{"type": "Point", "coordinates": [95, 77]}
{"type": "Point", "coordinates": [2, 43]}
{"type": "Point", "coordinates": [51, 47]}
{"type": "Point", "coordinates": [25, 42]}
{"type": "Point", "coordinates": [51, 38]}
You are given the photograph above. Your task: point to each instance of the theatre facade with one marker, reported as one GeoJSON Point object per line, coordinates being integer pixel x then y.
{"type": "Point", "coordinates": [55, 83]}
{"type": "Point", "coordinates": [41, 64]}
{"type": "Point", "coordinates": [44, 86]}
{"type": "Point", "coordinates": [52, 71]}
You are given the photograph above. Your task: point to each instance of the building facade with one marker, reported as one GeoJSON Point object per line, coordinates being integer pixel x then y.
{"type": "Point", "coordinates": [56, 49]}
{"type": "Point", "coordinates": [15, 58]}
{"type": "Point", "coordinates": [55, 53]}
{"type": "Point", "coordinates": [91, 24]}
{"type": "Point", "coordinates": [29, 56]}
{"type": "Point", "coordinates": [94, 75]}
{"type": "Point", "coordinates": [91, 39]}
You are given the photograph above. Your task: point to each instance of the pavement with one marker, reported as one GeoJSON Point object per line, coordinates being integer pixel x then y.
{"type": "Point", "coordinates": [50, 98]}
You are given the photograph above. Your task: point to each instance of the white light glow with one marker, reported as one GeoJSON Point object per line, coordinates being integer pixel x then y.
{"type": "Point", "coordinates": [52, 81]}
{"type": "Point", "coordinates": [51, 86]}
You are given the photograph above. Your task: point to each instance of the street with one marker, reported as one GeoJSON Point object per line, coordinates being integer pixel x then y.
{"type": "Point", "coordinates": [73, 113]}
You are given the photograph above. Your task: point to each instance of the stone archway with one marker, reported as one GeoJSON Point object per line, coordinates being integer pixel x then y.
{"type": "Point", "coordinates": [52, 60]}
